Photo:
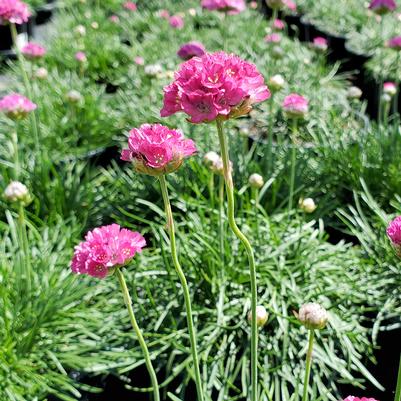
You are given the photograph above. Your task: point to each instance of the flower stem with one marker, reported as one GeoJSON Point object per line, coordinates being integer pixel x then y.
{"type": "Point", "coordinates": [252, 269]}
{"type": "Point", "coordinates": [14, 137]}
{"type": "Point", "coordinates": [148, 361]}
{"type": "Point", "coordinates": [308, 364]}
{"type": "Point", "coordinates": [25, 248]}
{"type": "Point", "coordinates": [398, 389]}
{"type": "Point", "coordinates": [184, 284]}
{"type": "Point", "coordinates": [293, 163]}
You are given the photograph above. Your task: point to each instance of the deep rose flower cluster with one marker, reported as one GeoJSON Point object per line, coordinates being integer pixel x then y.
{"type": "Point", "coordinates": [295, 106]}
{"type": "Point", "coordinates": [395, 43]}
{"type": "Point", "coordinates": [382, 6]}
{"type": "Point", "coordinates": [214, 85]}
{"type": "Point", "coordinates": [231, 6]}
{"type": "Point", "coordinates": [191, 49]}
{"type": "Point", "coordinates": [105, 248]}
{"type": "Point", "coordinates": [156, 150]}
{"type": "Point", "coordinates": [176, 21]}
{"type": "Point", "coordinates": [291, 5]}
{"type": "Point", "coordinates": [16, 106]}
{"type": "Point", "coordinates": [394, 233]}
{"type": "Point", "coordinates": [352, 398]}
{"type": "Point", "coordinates": [129, 5]}
{"type": "Point", "coordinates": [14, 12]}
{"type": "Point", "coordinates": [33, 51]}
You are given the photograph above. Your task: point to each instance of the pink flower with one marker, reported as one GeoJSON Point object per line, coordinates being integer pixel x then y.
{"type": "Point", "coordinates": [352, 398]}
{"type": "Point", "coordinates": [320, 43]}
{"type": "Point", "coordinates": [105, 248]}
{"type": "Point", "coordinates": [33, 51]}
{"type": "Point", "coordinates": [191, 49]}
{"type": "Point", "coordinates": [291, 5]}
{"type": "Point", "coordinates": [395, 43]}
{"type": "Point", "coordinates": [253, 5]}
{"type": "Point", "coordinates": [273, 38]}
{"type": "Point", "coordinates": [295, 106]}
{"type": "Point", "coordinates": [394, 233]}
{"type": "Point", "coordinates": [114, 18]}
{"type": "Point", "coordinates": [176, 21]}
{"type": "Point", "coordinates": [231, 6]}
{"type": "Point", "coordinates": [156, 150]}
{"type": "Point", "coordinates": [14, 12]}
{"type": "Point", "coordinates": [382, 6]}
{"type": "Point", "coordinates": [217, 85]}
{"type": "Point", "coordinates": [81, 57]}
{"type": "Point", "coordinates": [16, 106]}
{"type": "Point", "coordinates": [390, 88]}
{"type": "Point", "coordinates": [139, 60]}
{"type": "Point", "coordinates": [278, 24]}
{"type": "Point", "coordinates": [130, 5]}
{"type": "Point", "coordinates": [164, 14]}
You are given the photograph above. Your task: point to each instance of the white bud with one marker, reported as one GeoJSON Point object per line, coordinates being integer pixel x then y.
{"type": "Point", "coordinates": [312, 316]}
{"type": "Point", "coordinates": [386, 98]}
{"type": "Point", "coordinates": [307, 205]}
{"type": "Point", "coordinates": [80, 30]}
{"type": "Point", "coordinates": [192, 12]}
{"type": "Point", "coordinates": [261, 316]}
{"type": "Point", "coordinates": [41, 73]}
{"type": "Point", "coordinates": [74, 96]}
{"type": "Point", "coordinates": [276, 82]}
{"type": "Point", "coordinates": [354, 92]}
{"type": "Point", "coordinates": [94, 25]}
{"type": "Point", "coordinates": [210, 158]}
{"type": "Point", "coordinates": [256, 181]}
{"type": "Point", "coordinates": [17, 192]}
{"type": "Point", "coordinates": [153, 70]}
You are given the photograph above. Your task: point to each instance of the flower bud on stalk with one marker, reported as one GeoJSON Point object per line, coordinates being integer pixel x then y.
{"type": "Point", "coordinates": [276, 82]}
{"type": "Point", "coordinates": [261, 316]}
{"type": "Point", "coordinates": [256, 181]}
{"type": "Point", "coordinates": [313, 316]}
{"type": "Point", "coordinates": [307, 205]}
{"type": "Point", "coordinates": [16, 192]}
{"type": "Point", "coordinates": [354, 93]}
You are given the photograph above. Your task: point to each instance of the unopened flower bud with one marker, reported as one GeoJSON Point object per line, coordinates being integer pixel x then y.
{"type": "Point", "coordinates": [354, 93]}
{"type": "Point", "coordinates": [74, 96]}
{"type": "Point", "coordinates": [276, 82]}
{"type": "Point", "coordinates": [80, 30]}
{"type": "Point", "coordinates": [153, 70]}
{"type": "Point", "coordinates": [261, 316]}
{"type": "Point", "coordinates": [313, 316]}
{"type": "Point", "coordinates": [307, 205]}
{"type": "Point", "coordinates": [192, 12]}
{"type": "Point", "coordinates": [256, 181]}
{"type": "Point", "coordinates": [17, 192]}
{"type": "Point", "coordinates": [390, 88]}
{"type": "Point", "coordinates": [210, 158]}
{"type": "Point", "coordinates": [386, 98]}
{"type": "Point", "coordinates": [277, 52]}
{"type": "Point", "coordinates": [95, 25]}
{"type": "Point", "coordinates": [41, 73]}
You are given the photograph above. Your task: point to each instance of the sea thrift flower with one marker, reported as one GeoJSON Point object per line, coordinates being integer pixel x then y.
{"type": "Point", "coordinates": [217, 85]}
{"type": "Point", "coordinates": [164, 14]}
{"type": "Point", "coordinates": [129, 5]}
{"type": "Point", "coordinates": [139, 60]}
{"type": "Point", "coordinates": [17, 192]}
{"type": "Point", "coordinates": [278, 24]}
{"type": "Point", "coordinates": [313, 316]}
{"type": "Point", "coordinates": [390, 88]}
{"type": "Point", "coordinates": [291, 5]}
{"type": "Point", "coordinates": [253, 5]}
{"type": "Point", "coordinates": [307, 205]}
{"type": "Point", "coordinates": [176, 22]}
{"type": "Point", "coordinates": [354, 93]}
{"type": "Point", "coordinates": [231, 6]}
{"type": "Point", "coordinates": [191, 49]}
{"type": "Point", "coordinates": [16, 106]}
{"type": "Point", "coordinates": [275, 3]}
{"type": "Point", "coordinates": [13, 12]}
{"type": "Point", "coordinates": [156, 150]}
{"type": "Point", "coordinates": [33, 51]}
{"type": "Point", "coordinates": [273, 38]}
{"type": "Point", "coordinates": [395, 43]}
{"type": "Point", "coordinates": [256, 181]}
{"type": "Point", "coordinates": [104, 249]}
{"type": "Point", "coordinates": [382, 6]}
{"type": "Point", "coordinates": [276, 82]}
{"type": "Point", "coordinates": [394, 233]}
{"type": "Point", "coordinates": [261, 316]}
{"type": "Point", "coordinates": [81, 57]}
{"type": "Point", "coordinates": [295, 106]}
{"type": "Point", "coordinates": [352, 398]}
{"type": "Point", "coordinates": [115, 19]}
{"type": "Point", "coordinates": [320, 44]}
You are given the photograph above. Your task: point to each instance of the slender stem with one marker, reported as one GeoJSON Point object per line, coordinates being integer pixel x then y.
{"type": "Point", "coordinates": [398, 389]}
{"type": "Point", "coordinates": [382, 69]}
{"type": "Point", "coordinates": [270, 138]}
{"type": "Point", "coordinates": [221, 221]}
{"type": "Point", "coordinates": [274, 16]}
{"type": "Point", "coordinates": [184, 284]}
{"type": "Point", "coordinates": [308, 365]}
{"type": "Point", "coordinates": [293, 163]}
{"type": "Point", "coordinates": [211, 190]}
{"type": "Point", "coordinates": [25, 248]}
{"type": "Point", "coordinates": [148, 361]}
{"type": "Point", "coordinates": [252, 268]}
{"type": "Point", "coordinates": [14, 137]}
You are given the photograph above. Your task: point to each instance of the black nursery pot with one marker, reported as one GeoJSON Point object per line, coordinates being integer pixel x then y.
{"type": "Point", "coordinates": [294, 25]}
{"type": "Point", "coordinates": [307, 31]}
{"type": "Point", "coordinates": [6, 42]}
{"type": "Point", "coordinates": [45, 13]}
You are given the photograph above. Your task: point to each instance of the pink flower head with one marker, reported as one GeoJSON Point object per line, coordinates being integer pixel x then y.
{"type": "Point", "coordinates": [81, 57]}
{"type": "Point", "coordinates": [320, 43]}
{"type": "Point", "coordinates": [156, 150]}
{"type": "Point", "coordinates": [390, 88]}
{"type": "Point", "coordinates": [273, 38]}
{"type": "Point", "coordinates": [230, 6]}
{"type": "Point", "coordinates": [130, 5]}
{"type": "Point", "coordinates": [191, 49]}
{"type": "Point", "coordinates": [291, 5]}
{"type": "Point", "coordinates": [253, 5]}
{"type": "Point", "coordinates": [395, 43]}
{"type": "Point", "coordinates": [217, 85]}
{"type": "Point", "coordinates": [278, 24]}
{"type": "Point", "coordinates": [14, 12]}
{"type": "Point", "coordinates": [382, 6]}
{"type": "Point", "coordinates": [105, 248]}
{"type": "Point", "coordinates": [394, 233]}
{"type": "Point", "coordinates": [114, 18]}
{"type": "Point", "coordinates": [33, 51]}
{"type": "Point", "coordinates": [16, 106]}
{"type": "Point", "coordinates": [139, 60]}
{"type": "Point", "coordinates": [176, 22]}
{"type": "Point", "coordinates": [295, 106]}
{"type": "Point", "coordinates": [164, 14]}
{"type": "Point", "coordinates": [352, 398]}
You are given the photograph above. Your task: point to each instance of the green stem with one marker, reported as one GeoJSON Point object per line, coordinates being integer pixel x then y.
{"type": "Point", "coordinates": [293, 163]}
{"type": "Point", "coordinates": [274, 17]}
{"type": "Point", "coordinates": [211, 190]}
{"type": "Point", "coordinates": [14, 137]}
{"type": "Point", "coordinates": [184, 284]}
{"type": "Point", "coordinates": [270, 138]}
{"type": "Point", "coordinates": [252, 268]}
{"type": "Point", "coordinates": [398, 389]}
{"type": "Point", "coordinates": [308, 365]}
{"type": "Point", "coordinates": [25, 248]}
{"type": "Point", "coordinates": [221, 221]}
{"type": "Point", "coordinates": [148, 361]}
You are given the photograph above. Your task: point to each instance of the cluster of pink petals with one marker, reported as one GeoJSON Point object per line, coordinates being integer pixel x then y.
{"type": "Point", "coordinates": [382, 6]}
{"type": "Point", "coordinates": [352, 398]}
{"type": "Point", "coordinates": [139, 60]}
{"type": "Point", "coordinates": [214, 85]}
{"type": "Point", "coordinates": [394, 233]}
{"type": "Point", "coordinates": [191, 49]}
{"type": "Point", "coordinates": [176, 21]}
{"type": "Point", "coordinates": [395, 43]}
{"type": "Point", "coordinates": [14, 12]}
{"type": "Point", "coordinates": [320, 43]}
{"type": "Point", "coordinates": [164, 14]}
{"type": "Point", "coordinates": [291, 5]}
{"type": "Point", "coordinates": [278, 24]}
{"type": "Point", "coordinates": [231, 6]}
{"type": "Point", "coordinates": [156, 150]}
{"type": "Point", "coordinates": [390, 88]}
{"type": "Point", "coordinates": [114, 18]}
{"type": "Point", "coordinates": [130, 5]}
{"type": "Point", "coordinates": [81, 57]}
{"type": "Point", "coordinates": [273, 38]}
{"type": "Point", "coordinates": [295, 106]}
{"type": "Point", "coordinates": [105, 248]}
{"type": "Point", "coordinates": [33, 50]}
{"type": "Point", "coordinates": [16, 106]}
